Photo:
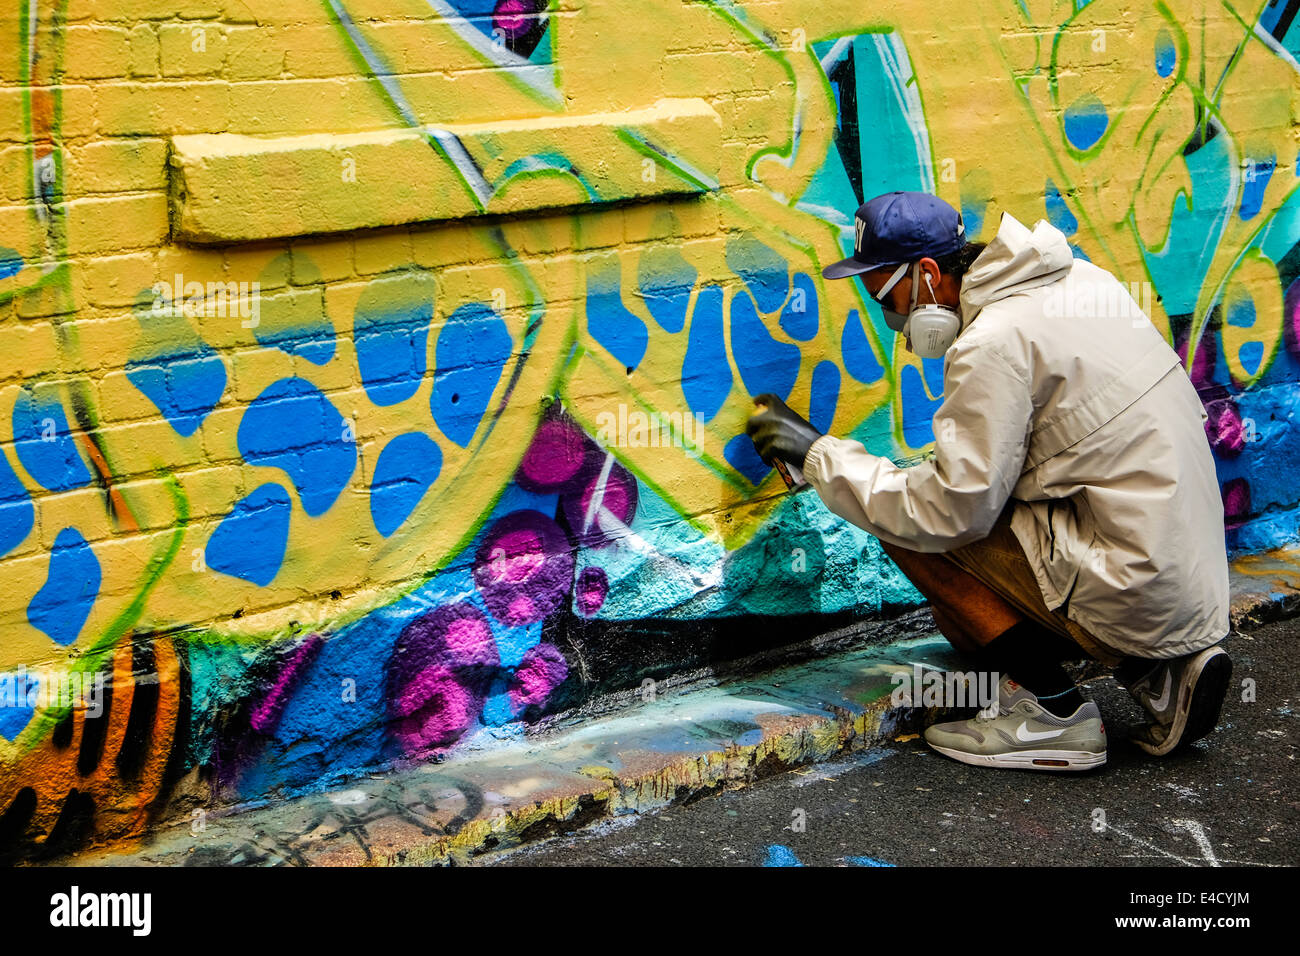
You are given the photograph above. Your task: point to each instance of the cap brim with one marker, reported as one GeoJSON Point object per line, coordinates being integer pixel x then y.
{"type": "Point", "coordinates": [851, 267]}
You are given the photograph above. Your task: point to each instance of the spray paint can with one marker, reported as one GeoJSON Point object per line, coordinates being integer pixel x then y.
{"type": "Point", "coordinates": [790, 474]}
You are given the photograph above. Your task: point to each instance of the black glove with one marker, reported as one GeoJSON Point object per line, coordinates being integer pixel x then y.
{"type": "Point", "coordinates": [778, 432]}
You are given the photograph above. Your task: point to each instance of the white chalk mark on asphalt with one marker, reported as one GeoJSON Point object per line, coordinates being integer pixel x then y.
{"type": "Point", "coordinates": [1202, 841]}
{"type": "Point", "coordinates": [1143, 843]}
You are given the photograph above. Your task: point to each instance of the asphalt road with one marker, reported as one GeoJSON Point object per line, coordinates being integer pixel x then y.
{"type": "Point", "coordinates": [1232, 799]}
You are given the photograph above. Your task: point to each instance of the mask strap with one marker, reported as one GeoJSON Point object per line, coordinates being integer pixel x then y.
{"type": "Point", "coordinates": [916, 287]}
{"type": "Point", "coordinates": [893, 281]}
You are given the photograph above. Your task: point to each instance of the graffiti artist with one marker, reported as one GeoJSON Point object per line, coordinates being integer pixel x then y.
{"type": "Point", "coordinates": [1070, 508]}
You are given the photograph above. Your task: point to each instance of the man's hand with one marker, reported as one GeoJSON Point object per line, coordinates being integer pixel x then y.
{"type": "Point", "coordinates": [777, 432]}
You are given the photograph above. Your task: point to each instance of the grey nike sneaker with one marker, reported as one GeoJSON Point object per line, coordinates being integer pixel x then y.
{"type": "Point", "coordinates": [1022, 734]}
{"type": "Point", "coordinates": [1182, 696]}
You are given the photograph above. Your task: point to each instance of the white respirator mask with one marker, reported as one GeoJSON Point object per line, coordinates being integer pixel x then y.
{"type": "Point", "coordinates": [931, 328]}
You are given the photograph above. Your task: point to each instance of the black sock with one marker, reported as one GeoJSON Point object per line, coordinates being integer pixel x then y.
{"type": "Point", "coordinates": [1030, 655]}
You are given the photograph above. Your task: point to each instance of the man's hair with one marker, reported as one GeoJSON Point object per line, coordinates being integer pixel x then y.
{"type": "Point", "coordinates": [957, 263]}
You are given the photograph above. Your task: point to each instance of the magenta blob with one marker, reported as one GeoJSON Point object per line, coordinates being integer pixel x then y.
{"type": "Point", "coordinates": [524, 567]}
{"type": "Point", "coordinates": [438, 676]}
{"type": "Point", "coordinates": [592, 588]}
{"type": "Point", "coordinates": [515, 18]}
{"type": "Point", "coordinates": [557, 452]}
{"type": "Point", "coordinates": [614, 497]}
{"type": "Point", "coordinates": [439, 709]}
{"type": "Point", "coordinates": [542, 670]}
{"type": "Point", "coordinates": [1236, 502]}
{"type": "Point", "coordinates": [1207, 356]}
{"type": "Point", "coordinates": [1224, 427]}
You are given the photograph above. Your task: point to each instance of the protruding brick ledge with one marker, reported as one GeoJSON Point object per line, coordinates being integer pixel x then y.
{"type": "Point", "coordinates": [340, 183]}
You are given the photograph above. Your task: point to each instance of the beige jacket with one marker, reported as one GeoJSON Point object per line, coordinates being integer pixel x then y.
{"type": "Point", "coordinates": [1064, 397]}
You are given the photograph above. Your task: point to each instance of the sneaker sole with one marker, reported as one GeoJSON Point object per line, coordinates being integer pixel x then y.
{"type": "Point", "coordinates": [1059, 760]}
{"type": "Point", "coordinates": [1199, 704]}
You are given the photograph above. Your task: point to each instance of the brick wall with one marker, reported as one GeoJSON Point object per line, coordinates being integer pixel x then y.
{"type": "Point", "coordinates": [373, 375]}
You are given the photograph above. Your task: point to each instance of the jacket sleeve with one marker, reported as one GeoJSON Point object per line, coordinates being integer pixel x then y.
{"type": "Point", "coordinates": [981, 438]}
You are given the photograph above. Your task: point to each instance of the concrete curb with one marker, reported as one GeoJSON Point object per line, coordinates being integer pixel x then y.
{"type": "Point", "coordinates": [693, 739]}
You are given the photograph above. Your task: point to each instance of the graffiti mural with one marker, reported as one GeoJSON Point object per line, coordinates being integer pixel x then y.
{"type": "Point", "coordinates": [313, 500]}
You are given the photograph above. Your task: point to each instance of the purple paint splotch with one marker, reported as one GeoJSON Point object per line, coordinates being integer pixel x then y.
{"type": "Point", "coordinates": [556, 455]}
{"type": "Point", "coordinates": [602, 501]}
{"type": "Point", "coordinates": [524, 567]}
{"type": "Point", "coordinates": [589, 595]}
{"type": "Point", "coordinates": [1224, 427]}
{"type": "Point", "coordinates": [1236, 503]}
{"type": "Point", "coordinates": [438, 676]}
{"type": "Point", "coordinates": [542, 670]}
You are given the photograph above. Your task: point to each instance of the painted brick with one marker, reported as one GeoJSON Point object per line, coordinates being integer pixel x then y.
{"type": "Point", "coordinates": [278, 153]}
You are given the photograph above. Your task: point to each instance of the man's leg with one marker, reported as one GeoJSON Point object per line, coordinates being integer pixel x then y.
{"type": "Point", "coordinates": [984, 625]}
{"type": "Point", "coordinates": [1042, 722]}
{"type": "Point", "coordinates": [969, 613]}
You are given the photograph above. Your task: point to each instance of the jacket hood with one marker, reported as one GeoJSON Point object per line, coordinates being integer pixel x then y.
{"type": "Point", "coordinates": [1017, 260]}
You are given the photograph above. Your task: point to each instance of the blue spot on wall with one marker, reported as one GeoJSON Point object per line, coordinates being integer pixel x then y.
{"type": "Point", "coordinates": [765, 364]}
{"type": "Point", "coordinates": [742, 456]}
{"type": "Point", "coordinates": [825, 395]}
{"type": "Point", "coordinates": [392, 340]}
{"type": "Point", "coordinates": [765, 271]}
{"type": "Point", "coordinates": [918, 408]}
{"type": "Point", "coordinates": [407, 467]}
{"type": "Point", "coordinates": [1166, 53]}
{"type": "Point", "coordinates": [11, 263]}
{"type": "Point", "coordinates": [250, 541]}
{"type": "Point", "coordinates": [801, 325]}
{"type": "Point", "coordinates": [706, 374]}
{"type": "Point", "coordinates": [293, 426]}
{"type": "Point", "coordinates": [859, 359]}
{"type": "Point", "coordinates": [185, 386]}
{"type": "Point", "coordinates": [18, 715]}
{"type": "Point", "coordinates": [1256, 176]}
{"type": "Point", "coordinates": [1058, 213]}
{"type": "Point", "coordinates": [622, 334]}
{"type": "Point", "coordinates": [61, 606]}
{"type": "Point", "coordinates": [44, 443]}
{"type": "Point", "coordinates": [16, 512]}
{"type": "Point", "coordinates": [1251, 355]}
{"type": "Point", "coordinates": [472, 351]}
{"type": "Point", "coordinates": [666, 280]}
{"type": "Point", "coordinates": [1085, 122]}
{"type": "Point", "coordinates": [498, 709]}
{"type": "Point", "coordinates": [175, 369]}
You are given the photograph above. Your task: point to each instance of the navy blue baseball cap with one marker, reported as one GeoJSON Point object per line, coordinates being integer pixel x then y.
{"type": "Point", "coordinates": [900, 227]}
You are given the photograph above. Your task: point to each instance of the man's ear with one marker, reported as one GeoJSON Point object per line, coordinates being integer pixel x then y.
{"type": "Point", "coordinates": [930, 267]}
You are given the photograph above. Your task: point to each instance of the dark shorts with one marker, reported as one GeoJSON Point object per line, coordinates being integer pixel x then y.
{"type": "Point", "coordinates": [999, 561]}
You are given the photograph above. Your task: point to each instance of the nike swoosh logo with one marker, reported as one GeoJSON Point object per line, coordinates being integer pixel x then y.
{"type": "Point", "coordinates": [1161, 702]}
{"type": "Point", "coordinates": [1025, 735]}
